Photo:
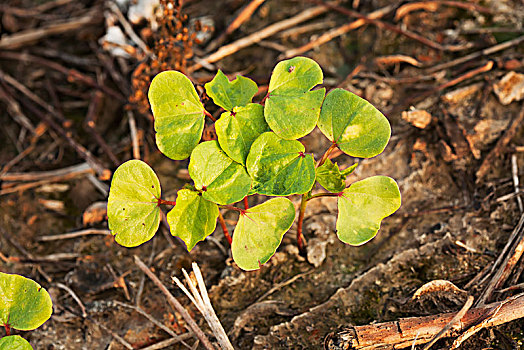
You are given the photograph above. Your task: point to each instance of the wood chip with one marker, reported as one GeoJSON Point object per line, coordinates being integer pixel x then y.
{"type": "Point", "coordinates": [418, 118]}
{"type": "Point", "coordinates": [510, 88]}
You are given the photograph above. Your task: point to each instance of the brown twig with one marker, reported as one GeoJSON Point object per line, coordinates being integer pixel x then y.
{"type": "Point", "coordinates": [75, 298]}
{"type": "Point", "coordinates": [451, 323]}
{"type": "Point", "coordinates": [242, 17]}
{"type": "Point", "coordinates": [26, 37]}
{"type": "Point", "coordinates": [412, 331]}
{"type": "Point", "coordinates": [433, 5]}
{"type": "Point", "coordinates": [71, 74]}
{"type": "Point", "coordinates": [45, 175]}
{"type": "Point", "coordinates": [101, 171]}
{"type": "Point", "coordinates": [384, 25]}
{"type": "Point", "coordinates": [251, 39]}
{"type": "Point", "coordinates": [176, 305]}
{"type": "Point", "coordinates": [134, 135]}
{"type": "Point", "coordinates": [22, 187]}
{"type": "Point", "coordinates": [485, 52]}
{"type": "Point", "coordinates": [89, 125]}
{"type": "Point", "coordinates": [74, 234]}
{"type": "Point", "coordinates": [330, 35]}
{"type": "Point", "coordinates": [500, 146]}
{"type": "Point", "coordinates": [509, 262]}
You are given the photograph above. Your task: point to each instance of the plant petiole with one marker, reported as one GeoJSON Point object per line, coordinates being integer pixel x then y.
{"type": "Point", "coordinates": [209, 115]}
{"type": "Point", "coordinates": [326, 155]}
{"type": "Point", "coordinates": [163, 201]}
{"type": "Point", "coordinates": [230, 207]}
{"type": "Point", "coordinates": [224, 228]}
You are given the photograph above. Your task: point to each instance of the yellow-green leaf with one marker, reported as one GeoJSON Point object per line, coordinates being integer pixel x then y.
{"type": "Point", "coordinates": [291, 109]}
{"type": "Point", "coordinates": [331, 178]}
{"type": "Point", "coordinates": [193, 218]}
{"type": "Point", "coordinates": [363, 206]}
{"type": "Point", "coordinates": [178, 112]}
{"type": "Point", "coordinates": [259, 232]}
{"type": "Point", "coordinates": [237, 130]}
{"type": "Point", "coordinates": [280, 167]}
{"type": "Point", "coordinates": [132, 207]}
{"type": "Point", "coordinates": [220, 179]}
{"type": "Point", "coordinates": [354, 124]}
{"type": "Point", "coordinates": [14, 342]}
{"type": "Point", "coordinates": [24, 304]}
{"type": "Point", "coordinates": [229, 94]}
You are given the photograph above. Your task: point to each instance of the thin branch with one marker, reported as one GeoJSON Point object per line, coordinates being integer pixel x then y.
{"type": "Point", "coordinates": [251, 39]}
{"type": "Point", "coordinates": [176, 305]}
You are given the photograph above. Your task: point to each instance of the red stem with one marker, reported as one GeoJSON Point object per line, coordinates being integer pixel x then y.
{"type": "Point", "coordinates": [300, 236]}
{"type": "Point", "coordinates": [224, 228]}
{"type": "Point", "coordinates": [230, 207]}
{"type": "Point", "coordinates": [246, 204]}
{"type": "Point", "coordinates": [303, 203]}
{"type": "Point", "coordinates": [163, 201]}
{"type": "Point", "coordinates": [326, 155]}
{"type": "Point", "coordinates": [7, 330]}
{"type": "Point", "coordinates": [209, 115]}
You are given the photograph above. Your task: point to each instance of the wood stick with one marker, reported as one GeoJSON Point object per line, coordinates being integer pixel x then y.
{"type": "Point", "coordinates": [330, 35]}
{"type": "Point", "coordinates": [500, 146]}
{"type": "Point", "coordinates": [243, 16]}
{"type": "Point", "coordinates": [176, 305]}
{"type": "Point", "coordinates": [30, 36]}
{"type": "Point", "coordinates": [407, 332]}
{"type": "Point", "coordinates": [43, 175]}
{"type": "Point", "coordinates": [485, 52]}
{"type": "Point", "coordinates": [509, 263]}
{"type": "Point", "coordinates": [249, 40]}
{"type": "Point", "coordinates": [74, 234]}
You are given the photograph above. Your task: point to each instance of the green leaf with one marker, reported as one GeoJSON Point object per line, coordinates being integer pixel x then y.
{"type": "Point", "coordinates": [330, 177]}
{"type": "Point", "coordinates": [236, 131]}
{"type": "Point", "coordinates": [291, 109]}
{"type": "Point", "coordinates": [362, 207]}
{"type": "Point", "coordinates": [24, 304]}
{"type": "Point", "coordinates": [357, 127]}
{"type": "Point", "coordinates": [132, 207]}
{"type": "Point", "coordinates": [280, 167]}
{"type": "Point", "coordinates": [193, 218]}
{"type": "Point", "coordinates": [349, 170]}
{"type": "Point", "coordinates": [220, 179]}
{"type": "Point", "coordinates": [228, 94]}
{"type": "Point", "coordinates": [178, 112]}
{"type": "Point", "coordinates": [259, 232]}
{"type": "Point", "coordinates": [14, 342]}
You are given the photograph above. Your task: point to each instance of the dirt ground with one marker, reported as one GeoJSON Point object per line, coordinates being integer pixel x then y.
{"type": "Point", "coordinates": [451, 92]}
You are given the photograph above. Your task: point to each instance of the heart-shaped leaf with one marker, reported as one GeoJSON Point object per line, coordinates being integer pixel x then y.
{"type": "Point", "coordinates": [259, 232]}
{"type": "Point", "coordinates": [357, 127]}
{"type": "Point", "coordinates": [14, 342]}
{"type": "Point", "coordinates": [193, 218]}
{"type": "Point", "coordinates": [280, 167]}
{"type": "Point", "coordinates": [237, 130]}
{"type": "Point", "coordinates": [220, 179]}
{"type": "Point", "coordinates": [291, 109]}
{"type": "Point", "coordinates": [363, 205]}
{"type": "Point", "coordinates": [24, 304]}
{"type": "Point", "coordinates": [132, 207]}
{"type": "Point", "coordinates": [331, 178]}
{"type": "Point", "coordinates": [228, 94]}
{"type": "Point", "coordinates": [178, 112]}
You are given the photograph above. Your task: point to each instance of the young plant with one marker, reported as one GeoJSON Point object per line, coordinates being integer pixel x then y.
{"type": "Point", "coordinates": [256, 152]}
{"type": "Point", "coordinates": [24, 305]}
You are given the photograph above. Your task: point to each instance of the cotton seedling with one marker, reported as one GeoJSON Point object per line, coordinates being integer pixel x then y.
{"type": "Point", "coordinates": [256, 152]}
